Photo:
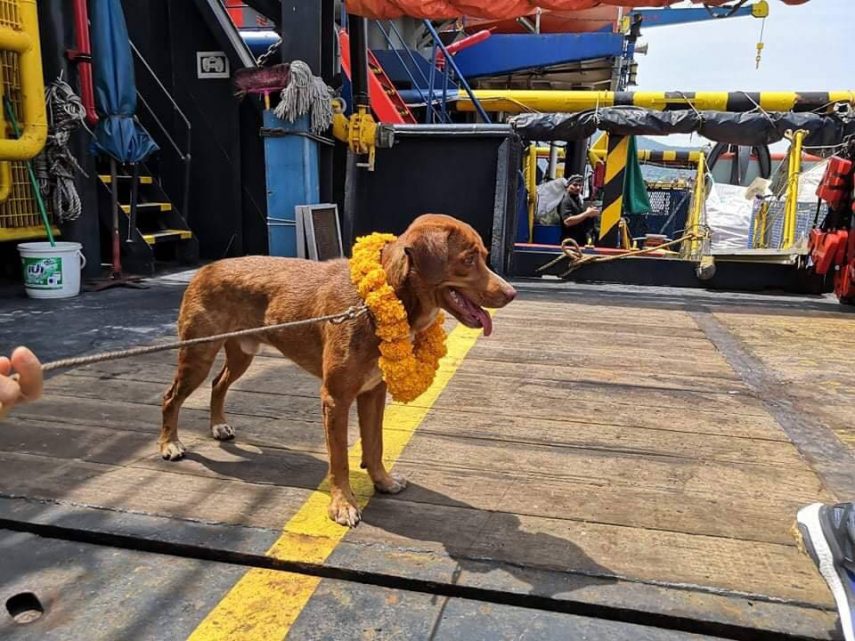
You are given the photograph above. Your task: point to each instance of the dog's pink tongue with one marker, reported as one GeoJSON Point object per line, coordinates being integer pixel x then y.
{"type": "Point", "coordinates": [486, 321]}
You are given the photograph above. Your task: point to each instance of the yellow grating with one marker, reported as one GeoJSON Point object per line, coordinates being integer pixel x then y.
{"type": "Point", "coordinates": [9, 14]}
{"type": "Point", "coordinates": [20, 210]}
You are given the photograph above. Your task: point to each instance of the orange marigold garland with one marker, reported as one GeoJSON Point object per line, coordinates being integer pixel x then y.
{"type": "Point", "coordinates": [408, 365]}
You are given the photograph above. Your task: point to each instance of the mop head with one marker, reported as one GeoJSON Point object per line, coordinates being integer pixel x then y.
{"type": "Point", "coordinates": [304, 94]}
{"type": "Point", "coordinates": [261, 79]}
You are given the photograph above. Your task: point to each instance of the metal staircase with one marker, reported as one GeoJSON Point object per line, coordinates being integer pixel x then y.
{"type": "Point", "coordinates": [401, 79]}
{"type": "Point", "coordinates": [155, 231]}
{"type": "Point", "coordinates": [433, 82]}
{"type": "Point", "coordinates": [385, 100]}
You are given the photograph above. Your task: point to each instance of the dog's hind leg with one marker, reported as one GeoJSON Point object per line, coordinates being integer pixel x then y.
{"type": "Point", "coordinates": [237, 362]}
{"type": "Point", "coordinates": [194, 363]}
{"type": "Point", "coordinates": [371, 406]}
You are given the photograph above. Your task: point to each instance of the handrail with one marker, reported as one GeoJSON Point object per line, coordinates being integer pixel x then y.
{"type": "Point", "coordinates": [445, 78]}
{"type": "Point", "coordinates": [449, 60]}
{"type": "Point", "coordinates": [438, 48]}
{"type": "Point", "coordinates": [160, 84]}
{"type": "Point", "coordinates": [185, 156]}
{"type": "Point", "coordinates": [401, 60]}
{"type": "Point", "coordinates": [694, 223]}
{"type": "Point", "coordinates": [432, 76]}
{"type": "Point", "coordinates": [429, 98]}
{"type": "Point", "coordinates": [161, 126]}
{"type": "Point", "coordinates": [788, 235]}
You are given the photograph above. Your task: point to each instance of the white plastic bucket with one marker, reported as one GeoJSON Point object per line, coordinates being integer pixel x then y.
{"type": "Point", "coordinates": [51, 272]}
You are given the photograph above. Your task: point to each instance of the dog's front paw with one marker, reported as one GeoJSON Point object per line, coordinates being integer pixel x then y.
{"type": "Point", "coordinates": [344, 511]}
{"type": "Point", "coordinates": [172, 450]}
{"type": "Point", "coordinates": [390, 484]}
{"type": "Point", "coordinates": [223, 432]}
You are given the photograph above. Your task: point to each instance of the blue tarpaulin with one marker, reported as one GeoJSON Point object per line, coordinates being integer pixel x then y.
{"type": "Point", "coordinates": [117, 134]}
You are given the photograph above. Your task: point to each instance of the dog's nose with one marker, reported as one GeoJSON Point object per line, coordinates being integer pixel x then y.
{"type": "Point", "coordinates": [510, 293]}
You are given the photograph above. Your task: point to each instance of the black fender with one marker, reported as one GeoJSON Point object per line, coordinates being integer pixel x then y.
{"type": "Point", "coordinates": [742, 157]}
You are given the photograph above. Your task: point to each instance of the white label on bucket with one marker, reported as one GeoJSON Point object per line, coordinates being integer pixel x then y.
{"type": "Point", "coordinates": [43, 273]}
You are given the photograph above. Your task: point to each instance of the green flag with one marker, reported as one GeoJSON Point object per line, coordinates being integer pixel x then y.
{"type": "Point", "coordinates": [635, 200]}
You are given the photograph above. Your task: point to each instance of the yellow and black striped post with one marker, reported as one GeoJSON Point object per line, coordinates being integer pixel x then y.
{"type": "Point", "coordinates": [616, 159]}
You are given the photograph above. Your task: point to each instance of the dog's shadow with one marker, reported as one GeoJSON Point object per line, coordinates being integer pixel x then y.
{"type": "Point", "coordinates": [506, 549]}
{"type": "Point", "coordinates": [494, 544]}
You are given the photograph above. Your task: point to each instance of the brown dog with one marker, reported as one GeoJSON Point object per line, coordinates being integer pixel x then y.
{"type": "Point", "coordinates": [438, 263]}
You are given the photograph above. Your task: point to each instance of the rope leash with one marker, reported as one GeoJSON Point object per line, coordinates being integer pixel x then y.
{"type": "Point", "coordinates": [350, 313]}
{"type": "Point", "coordinates": [573, 253]}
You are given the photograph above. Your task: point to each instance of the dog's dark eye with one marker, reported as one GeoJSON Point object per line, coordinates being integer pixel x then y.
{"type": "Point", "coordinates": [469, 260]}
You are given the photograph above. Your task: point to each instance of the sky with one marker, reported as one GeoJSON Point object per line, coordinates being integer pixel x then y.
{"type": "Point", "coordinates": [804, 51]}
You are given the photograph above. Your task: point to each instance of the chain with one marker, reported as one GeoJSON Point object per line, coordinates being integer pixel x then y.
{"type": "Point", "coordinates": [349, 314]}
{"type": "Point", "coordinates": [263, 57]}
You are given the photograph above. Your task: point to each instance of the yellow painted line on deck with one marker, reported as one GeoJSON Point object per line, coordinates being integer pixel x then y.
{"type": "Point", "coordinates": [263, 604]}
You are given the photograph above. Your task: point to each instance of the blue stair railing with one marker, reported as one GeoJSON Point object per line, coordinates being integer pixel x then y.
{"type": "Point", "coordinates": [431, 111]}
{"type": "Point", "coordinates": [451, 64]}
{"type": "Point", "coordinates": [426, 85]}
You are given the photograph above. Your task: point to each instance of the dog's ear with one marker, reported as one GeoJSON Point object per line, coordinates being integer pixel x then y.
{"type": "Point", "coordinates": [427, 251]}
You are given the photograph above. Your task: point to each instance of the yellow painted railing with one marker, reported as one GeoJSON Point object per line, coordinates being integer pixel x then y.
{"type": "Point", "coordinates": [761, 226]}
{"type": "Point", "coordinates": [34, 119]}
{"type": "Point", "coordinates": [530, 177]}
{"type": "Point", "coordinates": [22, 84]}
{"type": "Point", "coordinates": [693, 224]}
{"type": "Point", "coordinates": [5, 177]}
{"type": "Point", "coordinates": [794, 172]}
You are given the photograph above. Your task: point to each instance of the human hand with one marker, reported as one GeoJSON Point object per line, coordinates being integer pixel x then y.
{"type": "Point", "coordinates": [25, 386]}
{"type": "Point", "coordinates": [592, 212]}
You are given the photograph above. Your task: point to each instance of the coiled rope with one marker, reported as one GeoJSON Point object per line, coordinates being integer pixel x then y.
{"type": "Point", "coordinates": [573, 253]}
{"type": "Point", "coordinates": [56, 167]}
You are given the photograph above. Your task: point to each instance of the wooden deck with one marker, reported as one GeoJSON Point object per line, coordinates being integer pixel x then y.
{"type": "Point", "coordinates": [610, 459]}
